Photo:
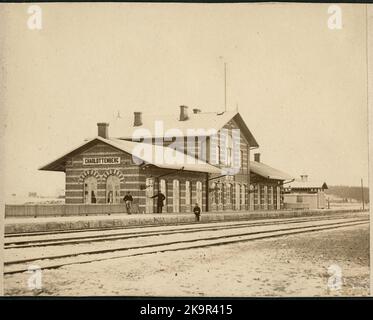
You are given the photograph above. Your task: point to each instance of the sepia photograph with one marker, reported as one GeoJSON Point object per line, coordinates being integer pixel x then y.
{"type": "Point", "coordinates": [185, 150]}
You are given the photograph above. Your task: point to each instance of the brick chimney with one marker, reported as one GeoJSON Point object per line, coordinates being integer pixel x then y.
{"type": "Point", "coordinates": [304, 177]}
{"type": "Point", "coordinates": [137, 119]}
{"type": "Point", "coordinates": [196, 110]}
{"type": "Point", "coordinates": [183, 113]}
{"type": "Point", "coordinates": [103, 130]}
{"type": "Point", "coordinates": [257, 157]}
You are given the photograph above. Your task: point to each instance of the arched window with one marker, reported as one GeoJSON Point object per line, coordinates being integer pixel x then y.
{"type": "Point", "coordinates": [238, 194]}
{"type": "Point", "coordinates": [228, 193]}
{"type": "Point", "coordinates": [216, 155]}
{"type": "Point", "coordinates": [251, 196]}
{"type": "Point", "coordinates": [262, 196]}
{"type": "Point", "coordinates": [270, 197]}
{"type": "Point", "coordinates": [243, 196]}
{"type": "Point", "coordinates": [90, 190]}
{"type": "Point", "coordinates": [176, 196]}
{"type": "Point", "coordinates": [163, 187]}
{"type": "Point", "coordinates": [229, 150]}
{"type": "Point", "coordinates": [199, 193]}
{"type": "Point", "coordinates": [112, 189]}
{"type": "Point", "coordinates": [213, 195]}
{"type": "Point", "coordinates": [188, 196]}
{"type": "Point", "coordinates": [278, 198]}
{"type": "Point", "coordinates": [256, 197]}
{"type": "Point", "coordinates": [219, 193]}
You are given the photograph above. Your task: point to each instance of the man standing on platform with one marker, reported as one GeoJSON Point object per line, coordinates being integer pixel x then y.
{"type": "Point", "coordinates": [197, 212]}
{"type": "Point", "coordinates": [128, 201]}
{"type": "Point", "coordinates": [160, 198]}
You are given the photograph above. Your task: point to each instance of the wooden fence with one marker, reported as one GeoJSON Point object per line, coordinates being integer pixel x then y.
{"type": "Point", "coordinates": [65, 210]}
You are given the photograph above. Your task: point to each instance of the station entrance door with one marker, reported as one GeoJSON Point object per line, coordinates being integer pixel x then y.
{"type": "Point", "coordinates": [176, 196]}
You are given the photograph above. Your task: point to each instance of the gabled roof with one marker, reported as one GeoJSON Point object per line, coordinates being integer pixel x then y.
{"type": "Point", "coordinates": [268, 172]}
{"type": "Point", "coordinates": [123, 128]}
{"type": "Point", "coordinates": [188, 163]}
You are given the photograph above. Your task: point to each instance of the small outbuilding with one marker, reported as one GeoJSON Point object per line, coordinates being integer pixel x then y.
{"type": "Point", "coordinates": [305, 194]}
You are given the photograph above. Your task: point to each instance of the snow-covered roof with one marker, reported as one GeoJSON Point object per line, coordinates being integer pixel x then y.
{"type": "Point", "coordinates": [268, 172]}
{"type": "Point", "coordinates": [160, 156]}
{"type": "Point", "coordinates": [164, 157]}
{"type": "Point", "coordinates": [299, 184]}
{"type": "Point", "coordinates": [123, 128]}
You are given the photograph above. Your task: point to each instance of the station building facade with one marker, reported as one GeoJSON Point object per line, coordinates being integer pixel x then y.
{"type": "Point", "coordinates": [103, 169]}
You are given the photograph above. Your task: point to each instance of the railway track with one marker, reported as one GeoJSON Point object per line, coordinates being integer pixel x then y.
{"type": "Point", "coordinates": [273, 230]}
{"type": "Point", "coordinates": [127, 234]}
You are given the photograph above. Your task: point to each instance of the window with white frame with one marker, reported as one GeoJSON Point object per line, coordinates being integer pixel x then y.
{"type": "Point", "coordinates": [188, 195]}
{"type": "Point", "coordinates": [199, 193]}
{"type": "Point", "coordinates": [176, 196]}
{"type": "Point", "coordinates": [243, 194]}
{"type": "Point", "coordinates": [90, 190]}
{"type": "Point", "coordinates": [112, 189]}
{"type": "Point", "coordinates": [163, 187]}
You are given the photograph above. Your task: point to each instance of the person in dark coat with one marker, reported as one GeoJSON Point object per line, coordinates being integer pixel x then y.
{"type": "Point", "coordinates": [93, 197]}
{"type": "Point", "coordinates": [128, 201]}
{"type": "Point", "coordinates": [197, 212]}
{"type": "Point", "coordinates": [160, 201]}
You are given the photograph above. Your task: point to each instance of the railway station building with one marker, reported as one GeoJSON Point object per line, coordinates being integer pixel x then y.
{"type": "Point", "coordinates": [192, 157]}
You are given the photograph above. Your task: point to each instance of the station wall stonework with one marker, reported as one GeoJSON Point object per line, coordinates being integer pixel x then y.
{"type": "Point", "coordinates": [77, 171]}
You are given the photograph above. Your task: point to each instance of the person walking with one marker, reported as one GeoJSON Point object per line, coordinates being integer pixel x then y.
{"type": "Point", "coordinates": [160, 201]}
{"type": "Point", "coordinates": [197, 212]}
{"type": "Point", "coordinates": [128, 201]}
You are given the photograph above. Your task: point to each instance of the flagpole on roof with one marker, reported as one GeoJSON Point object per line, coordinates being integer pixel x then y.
{"type": "Point", "coordinates": [225, 83]}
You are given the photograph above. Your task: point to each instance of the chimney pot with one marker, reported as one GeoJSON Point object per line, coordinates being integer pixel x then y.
{"type": "Point", "coordinates": [304, 177]}
{"type": "Point", "coordinates": [196, 110]}
{"type": "Point", "coordinates": [183, 113]}
{"type": "Point", "coordinates": [257, 157]}
{"type": "Point", "coordinates": [137, 120]}
{"type": "Point", "coordinates": [103, 130]}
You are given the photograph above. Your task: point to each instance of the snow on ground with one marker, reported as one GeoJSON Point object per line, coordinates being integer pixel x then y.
{"type": "Point", "coordinates": [288, 266]}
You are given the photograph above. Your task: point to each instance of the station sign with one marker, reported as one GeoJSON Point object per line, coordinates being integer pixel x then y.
{"type": "Point", "coordinates": [101, 160]}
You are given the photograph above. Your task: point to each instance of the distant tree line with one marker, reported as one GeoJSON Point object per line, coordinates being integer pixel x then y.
{"type": "Point", "coordinates": [347, 192]}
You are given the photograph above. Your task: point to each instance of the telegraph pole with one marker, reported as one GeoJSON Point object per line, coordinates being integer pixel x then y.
{"type": "Point", "coordinates": [362, 192]}
{"type": "Point", "coordinates": [225, 87]}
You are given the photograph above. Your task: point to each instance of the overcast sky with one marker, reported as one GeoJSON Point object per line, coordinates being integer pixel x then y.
{"type": "Point", "coordinates": [301, 87]}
